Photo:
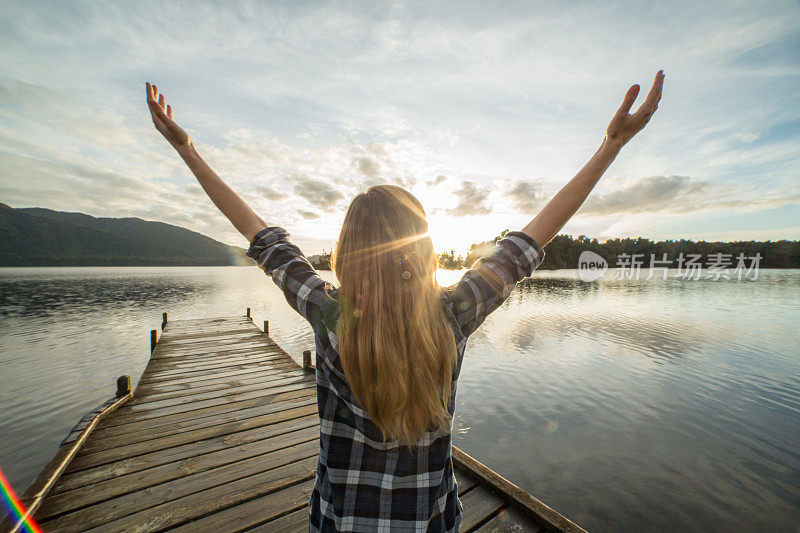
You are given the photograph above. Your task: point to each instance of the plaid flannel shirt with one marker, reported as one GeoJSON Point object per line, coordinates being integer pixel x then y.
{"type": "Point", "coordinates": [362, 483]}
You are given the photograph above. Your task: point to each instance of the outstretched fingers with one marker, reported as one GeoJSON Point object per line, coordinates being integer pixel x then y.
{"type": "Point", "coordinates": [156, 103]}
{"type": "Point", "coordinates": [627, 102]}
{"type": "Point", "coordinates": [650, 104]}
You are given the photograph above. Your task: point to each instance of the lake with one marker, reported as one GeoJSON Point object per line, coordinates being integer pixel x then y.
{"type": "Point", "coordinates": [625, 405]}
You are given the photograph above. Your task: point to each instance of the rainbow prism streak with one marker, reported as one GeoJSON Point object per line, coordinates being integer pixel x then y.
{"type": "Point", "coordinates": [15, 508]}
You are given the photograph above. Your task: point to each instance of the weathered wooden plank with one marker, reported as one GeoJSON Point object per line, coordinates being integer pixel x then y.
{"type": "Point", "coordinates": [199, 362]}
{"type": "Point", "coordinates": [221, 374]}
{"type": "Point", "coordinates": [256, 512]}
{"type": "Point", "coordinates": [175, 334]}
{"type": "Point", "coordinates": [105, 470]}
{"type": "Point", "coordinates": [135, 416]}
{"type": "Point", "coordinates": [197, 340]}
{"type": "Point", "coordinates": [510, 520]}
{"type": "Point", "coordinates": [124, 483]}
{"type": "Point", "coordinates": [479, 505]}
{"type": "Point", "coordinates": [194, 506]}
{"type": "Point", "coordinates": [265, 376]}
{"type": "Point", "coordinates": [211, 366]}
{"type": "Point", "coordinates": [208, 380]}
{"type": "Point", "coordinates": [99, 508]}
{"type": "Point", "coordinates": [210, 345]}
{"type": "Point", "coordinates": [206, 417]}
{"type": "Point", "coordinates": [91, 458]}
{"type": "Point", "coordinates": [212, 352]}
{"type": "Point", "coordinates": [197, 396]}
{"type": "Point", "coordinates": [294, 522]}
{"type": "Point", "coordinates": [194, 363]}
{"type": "Point", "coordinates": [266, 346]}
{"type": "Point", "coordinates": [101, 442]}
{"type": "Point", "coordinates": [186, 364]}
{"type": "Point", "coordinates": [225, 321]}
{"type": "Point", "coordinates": [177, 338]}
{"type": "Point", "coordinates": [221, 366]}
{"type": "Point", "coordinates": [120, 447]}
{"type": "Point", "coordinates": [198, 343]}
{"type": "Point", "coordinates": [463, 481]}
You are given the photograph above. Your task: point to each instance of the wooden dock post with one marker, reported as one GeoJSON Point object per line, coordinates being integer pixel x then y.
{"type": "Point", "coordinates": [248, 314]}
{"type": "Point", "coordinates": [153, 339]}
{"type": "Point", "coordinates": [307, 360]}
{"type": "Point", "coordinates": [163, 321]}
{"type": "Point", "coordinates": [123, 386]}
{"type": "Point", "coordinates": [266, 327]}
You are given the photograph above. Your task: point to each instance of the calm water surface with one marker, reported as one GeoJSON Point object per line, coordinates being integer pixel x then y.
{"type": "Point", "coordinates": [626, 405]}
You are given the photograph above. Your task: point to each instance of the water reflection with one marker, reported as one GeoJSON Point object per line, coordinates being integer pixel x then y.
{"type": "Point", "coordinates": [628, 405]}
{"type": "Point", "coordinates": [46, 297]}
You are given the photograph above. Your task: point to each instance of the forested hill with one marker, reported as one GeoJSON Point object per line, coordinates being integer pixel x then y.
{"type": "Point", "coordinates": [41, 237]}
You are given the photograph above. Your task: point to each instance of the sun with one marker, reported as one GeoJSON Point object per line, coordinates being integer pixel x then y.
{"type": "Point", "coordinates": [445, 236]}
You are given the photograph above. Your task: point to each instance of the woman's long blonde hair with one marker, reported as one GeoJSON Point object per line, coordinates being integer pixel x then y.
{"type": "Point", "coordinates": [395, 342]}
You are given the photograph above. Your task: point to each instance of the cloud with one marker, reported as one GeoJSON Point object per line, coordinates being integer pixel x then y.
{"type": "Point", "coordinates": [308, 215]}
{"type": "Point", "coordinates": [652, 193]}
{"type": "Point", "coordinates": [681, 194]}
{"type": "Point", "coordinates": [526, 196]}
{"type": "Point", "coordinates": [367, 166]}
{"type": "Point", "coordinates": [318, 193]}
{"type": "Point", "coordinates": [471, 200]}
{"type": "Point", "coordinates": [436, 181]}
{"type": "Point", "coordinates": [269, 193]}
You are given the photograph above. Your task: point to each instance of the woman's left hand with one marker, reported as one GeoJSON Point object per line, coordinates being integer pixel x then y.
{"type": "Point", "coordinates": [162, 118]}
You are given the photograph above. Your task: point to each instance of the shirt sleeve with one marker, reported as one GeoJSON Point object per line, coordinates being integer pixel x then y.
{"type": "Point", "coordinates": [280, 259]}
{"type": "Point", "coordinates": [489, 282]}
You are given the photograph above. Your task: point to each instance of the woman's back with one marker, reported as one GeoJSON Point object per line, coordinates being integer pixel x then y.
{"type": "Point", "coordinates": [363, 483]}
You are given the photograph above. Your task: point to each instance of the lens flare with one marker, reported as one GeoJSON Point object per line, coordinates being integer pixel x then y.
{"type": "Point", "coordinates": [15, 508]}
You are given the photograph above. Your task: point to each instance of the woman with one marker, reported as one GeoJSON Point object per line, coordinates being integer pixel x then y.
{"type": "Point", "coordinates": [389, 340]}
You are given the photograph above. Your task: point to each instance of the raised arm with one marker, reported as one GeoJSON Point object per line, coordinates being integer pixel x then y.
{"type": "Point", "coordinates": [232, 206]}
{"type": "Point", "coordinates": [621, 129]}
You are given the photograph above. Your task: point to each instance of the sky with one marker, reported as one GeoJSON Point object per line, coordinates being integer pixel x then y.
{"type": "Point", "coordinates": [483, 110]}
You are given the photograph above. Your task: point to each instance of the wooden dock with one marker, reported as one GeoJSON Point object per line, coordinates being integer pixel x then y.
{"type": "Point", "coordinates": [221, 434]}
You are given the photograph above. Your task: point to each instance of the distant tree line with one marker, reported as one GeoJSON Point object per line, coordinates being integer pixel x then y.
{"type": "Point", "coordinates": [564, 250]}
{"type": "Point", "coordinates": [321, 261]}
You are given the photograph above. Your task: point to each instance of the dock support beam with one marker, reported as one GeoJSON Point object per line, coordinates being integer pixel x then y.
{"type": "Point", "coordinates": [248, 314]}
{"type": "Point", "coordinates": [307, 360]}
{"type": "Point", "coordinates": [153, 339]}
{"type": "Point", "coordinates": [163, 321]}
{"type": "Point", "coordinates": [266, 327]}
{"type": "Point", "coordinates": [123, 386]}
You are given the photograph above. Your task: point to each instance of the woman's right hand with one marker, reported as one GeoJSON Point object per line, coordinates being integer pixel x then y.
{"type": "Point", "coordinates": [162, 118]}
{"type": "Point", "coordinates": [624, 125]}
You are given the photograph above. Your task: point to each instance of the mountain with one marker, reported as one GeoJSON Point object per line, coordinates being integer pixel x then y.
{"type": "Point", "coordinates": [42, 237]}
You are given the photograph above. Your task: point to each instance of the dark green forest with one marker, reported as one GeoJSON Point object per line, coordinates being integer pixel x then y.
{"type": "Point", "coordinates": [563, 252]}
{"type": "Point", "coordinates": [41, 237]}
